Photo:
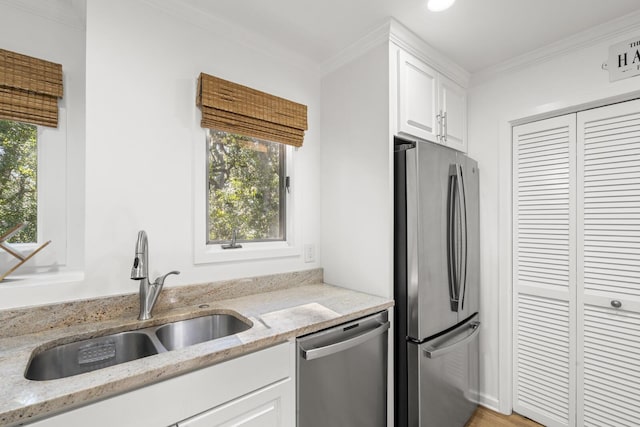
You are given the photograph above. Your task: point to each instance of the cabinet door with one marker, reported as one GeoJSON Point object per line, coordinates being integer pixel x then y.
{"type": "Point", "coordinates": [453, 105]}
{"type": "Point", "coordinates": [418, 98]}
{"type": "Point", "coordinates": [609, 265]}
{"type": "Point", "coordinates": [268, 407]}
{"type": "Point", "coordinates": [544, 253]}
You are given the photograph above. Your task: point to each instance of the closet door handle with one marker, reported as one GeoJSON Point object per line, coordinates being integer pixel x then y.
{"type": "Point", "coordinates": [616, 303]}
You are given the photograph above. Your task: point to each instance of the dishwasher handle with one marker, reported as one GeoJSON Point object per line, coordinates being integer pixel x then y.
{"type": "Point", "coordinates": [330, 349]}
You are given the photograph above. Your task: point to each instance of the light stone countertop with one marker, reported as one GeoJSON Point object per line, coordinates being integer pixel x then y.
{"type": "Point", "coordinates": [278, 314]}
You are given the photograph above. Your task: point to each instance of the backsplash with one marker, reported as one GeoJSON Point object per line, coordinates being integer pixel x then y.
{"type": "Point", "coordinates": [39, 318]}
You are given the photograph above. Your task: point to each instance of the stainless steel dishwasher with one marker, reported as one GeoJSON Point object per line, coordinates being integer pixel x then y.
{"type": "Point", "coordinates": [342, 375]}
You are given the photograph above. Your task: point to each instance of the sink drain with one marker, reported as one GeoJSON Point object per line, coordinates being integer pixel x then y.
{"type": "Point", "coordinates": [96, 352]}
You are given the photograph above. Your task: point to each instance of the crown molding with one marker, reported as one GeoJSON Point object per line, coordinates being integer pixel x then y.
{"type": "Point", "coordinates": [392, 31]}
{"type": "Point", "coordinates": [372, 39]}
{"type": "Point", "coordinates": [599, 33]}
{"type": "Point", "coordinates": [410, 42]}
{"type": "Point", "coordinates": [71, 13]}
{"type": "Point", "coordinates": [220, 28]}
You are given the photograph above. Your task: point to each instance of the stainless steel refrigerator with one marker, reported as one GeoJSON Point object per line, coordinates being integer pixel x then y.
{"type": "Point", "coordinates": [436, 285]}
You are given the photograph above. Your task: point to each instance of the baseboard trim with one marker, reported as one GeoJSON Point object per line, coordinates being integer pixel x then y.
{"type": "Point", "coordinates": [490, 402]}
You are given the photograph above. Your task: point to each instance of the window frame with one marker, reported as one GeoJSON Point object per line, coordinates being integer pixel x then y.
{"type": "Point", "coordinates": [205, 253]}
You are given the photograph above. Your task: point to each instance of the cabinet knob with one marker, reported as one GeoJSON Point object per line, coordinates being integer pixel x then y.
{"type": "Point", "coordinates": [616, 304]}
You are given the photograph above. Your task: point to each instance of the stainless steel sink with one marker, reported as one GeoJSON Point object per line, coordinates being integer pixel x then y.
{"type": "Point", "coordinates": [193, 331]}
{"type": "Point", "coordinates": [95, 353]}
{"type": "Point", "coordinates": [88, 355]}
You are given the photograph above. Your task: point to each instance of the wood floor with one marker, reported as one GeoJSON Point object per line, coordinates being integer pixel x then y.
{"type": "Point", "coordinates": [484, 417]}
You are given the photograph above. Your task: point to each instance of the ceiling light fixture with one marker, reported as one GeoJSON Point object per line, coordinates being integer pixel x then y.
{"type": "Point", "coordinates": [439, 5]}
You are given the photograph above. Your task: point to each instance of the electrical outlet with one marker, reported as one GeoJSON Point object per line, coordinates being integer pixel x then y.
{"type": "Point", "coordinates": [309, 253]}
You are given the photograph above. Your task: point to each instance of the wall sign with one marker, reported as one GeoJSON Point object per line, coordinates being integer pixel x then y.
{"type": "Point", "coordinates": [624, 59]}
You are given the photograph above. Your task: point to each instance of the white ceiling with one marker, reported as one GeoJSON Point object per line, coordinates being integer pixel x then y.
{"type": "Point", "coordinates": [474, 33]}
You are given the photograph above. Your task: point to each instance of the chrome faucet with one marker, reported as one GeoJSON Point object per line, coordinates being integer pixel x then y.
{"type": "Point", "coordinates": [140, 271]}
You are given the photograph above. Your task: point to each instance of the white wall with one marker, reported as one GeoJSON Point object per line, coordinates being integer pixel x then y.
{"type": "Point", "coordinates": [142, 127]}
{"type": "Point", "coordinates": [357, 186]}
{"type": "Point", "coordinates": [573, 78]}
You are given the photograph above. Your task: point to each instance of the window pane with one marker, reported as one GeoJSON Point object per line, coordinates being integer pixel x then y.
{"type": "Point", "coordinates": [246, 178]}
{"type": "Point", "coordinates": [18, 166]}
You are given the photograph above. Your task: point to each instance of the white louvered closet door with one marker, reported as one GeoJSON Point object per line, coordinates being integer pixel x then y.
{"type": "Point", "coordinates": [609, 266]}
{"type": "Point", "coordinates": [544, 278]}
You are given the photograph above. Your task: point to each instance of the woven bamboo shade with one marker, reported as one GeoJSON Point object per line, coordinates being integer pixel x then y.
{"type": "Point", "coordinates": [234, 108]}
{"type": "Point", "coordinates": [29, 89]}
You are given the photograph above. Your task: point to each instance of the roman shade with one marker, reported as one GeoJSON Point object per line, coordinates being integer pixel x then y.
{"type": "Point", "coordinates": [29, 89]}
{"type": "Point", "coordinates": [234, 108]}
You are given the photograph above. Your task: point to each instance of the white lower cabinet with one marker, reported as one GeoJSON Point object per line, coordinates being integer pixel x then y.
{"type": "Point", "coordinates": [257, 389]}
{"type": "Point", "coordinates": [267, 407]}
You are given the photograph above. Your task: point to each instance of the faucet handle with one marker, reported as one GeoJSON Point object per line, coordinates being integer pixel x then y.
{"type": "Point", "coordinates": [160, 280]}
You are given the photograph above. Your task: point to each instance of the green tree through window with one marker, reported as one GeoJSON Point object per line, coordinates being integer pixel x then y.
{"type": "Point", "coordinates": [18, 177]}
{"type": "Point", "coordinates": [246, 177]}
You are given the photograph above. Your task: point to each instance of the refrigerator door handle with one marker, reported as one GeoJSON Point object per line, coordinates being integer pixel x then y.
{"type": "Point", "coordinates": [462, 275]}
{"type": "Point", "coordinates": [330, 349]}
{"type": "Point", "coordinates": [456, 237]}
{"type": "Point", "coordinates": [451, 238]}
{"type": "Point", "coordinates": [464, 335]}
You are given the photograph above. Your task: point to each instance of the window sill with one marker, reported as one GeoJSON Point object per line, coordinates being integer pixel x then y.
{"type": "Point", "coordinates": [37, 279]}
{"type": "Point", "coordinates": [249, 252]}
{"type": "Point", "coordinates": [25, 290]}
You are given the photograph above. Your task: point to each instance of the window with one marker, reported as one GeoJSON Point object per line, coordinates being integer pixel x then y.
{"type": "Point", "coordinates": [247, 187]}
{"type": "Point", "coordinates": [18, 179]}
{"type": "Point", "coordinates": [44, 206]}
{"type": "Point", "coordinates": [33, 162]}
{"type": "Point", "coordinates": [241, 181]}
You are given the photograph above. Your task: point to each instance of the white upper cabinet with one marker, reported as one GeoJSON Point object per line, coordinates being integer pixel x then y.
{"type": "Point", "coordinates": [418, 98]}
{"type": "Point", "coordinates": [453, 106]}
{"type": "Point", "coordinates": [430, 106]}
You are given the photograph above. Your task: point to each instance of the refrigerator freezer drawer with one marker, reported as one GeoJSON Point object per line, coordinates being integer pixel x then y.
{"type": "Point", "coordinates": [444, 391]}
